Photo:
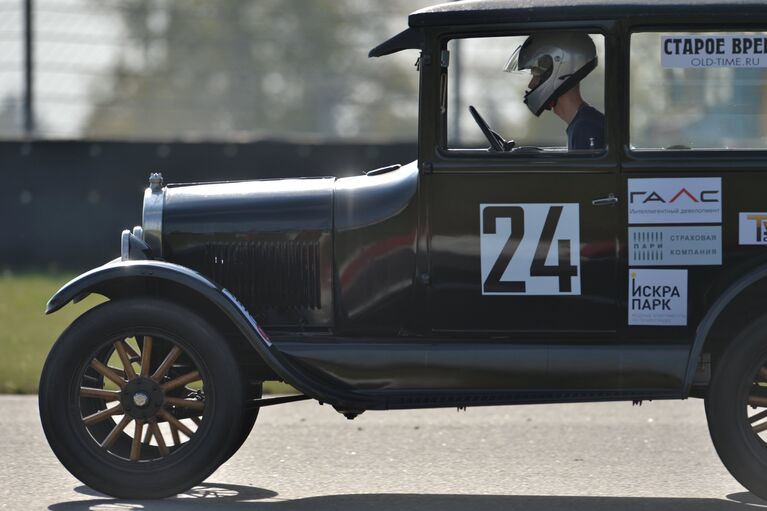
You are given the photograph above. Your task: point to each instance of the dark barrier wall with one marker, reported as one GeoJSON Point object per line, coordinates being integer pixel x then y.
{"type": "Point", "coordinates": [65, 203]}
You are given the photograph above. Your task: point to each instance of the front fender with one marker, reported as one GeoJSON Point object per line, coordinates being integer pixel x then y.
{"type": "Point", "coordinates": [104, 279]}
{"type": "Point", "coordinates": [98, 280]}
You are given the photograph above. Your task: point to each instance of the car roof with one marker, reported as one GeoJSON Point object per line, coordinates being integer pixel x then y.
{"type": "Point", "coordinates": [501, 11]}
{"type": "Point", "coordinates": [487, 12]}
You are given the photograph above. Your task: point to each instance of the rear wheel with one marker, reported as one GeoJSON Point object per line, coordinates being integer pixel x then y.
{"type": "Point", "coordinates": [736, 407]}
{"type": "Point", "coordinates": [138, 396]}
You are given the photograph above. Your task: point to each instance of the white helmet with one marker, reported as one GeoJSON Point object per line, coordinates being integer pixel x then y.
{"type": "Point", "coordinates": [559, 60]}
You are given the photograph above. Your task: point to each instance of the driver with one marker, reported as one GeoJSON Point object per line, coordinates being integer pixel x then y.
{"type": "Point", "coordinates": [558, 62]}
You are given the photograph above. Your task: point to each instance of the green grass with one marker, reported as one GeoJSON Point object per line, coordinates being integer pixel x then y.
{"type": "Point", "coordinates": [27, 334]}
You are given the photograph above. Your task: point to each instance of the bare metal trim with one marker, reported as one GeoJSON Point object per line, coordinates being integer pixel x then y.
{"type": "Point", "coordinates": [154, 200]}
{"type": "Point", "coordinates": [155, 181]}
{"type": "Point", "coordinates": [125, 245]}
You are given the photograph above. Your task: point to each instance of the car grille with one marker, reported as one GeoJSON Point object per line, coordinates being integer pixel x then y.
{"type": "Point", "coordinates": [283, 275]}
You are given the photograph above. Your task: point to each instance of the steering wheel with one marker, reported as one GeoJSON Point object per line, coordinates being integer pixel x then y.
{"type": "Point", "coordinates": [497, 142]}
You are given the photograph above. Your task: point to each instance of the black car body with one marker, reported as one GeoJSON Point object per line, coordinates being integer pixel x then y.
{"type": "Point", "coordinates": [392, 289]}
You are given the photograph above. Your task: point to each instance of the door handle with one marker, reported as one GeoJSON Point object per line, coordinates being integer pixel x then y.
{"type": "Point", "coordinates": [610, 200]}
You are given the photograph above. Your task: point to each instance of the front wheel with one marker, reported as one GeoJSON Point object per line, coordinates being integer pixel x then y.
{"type": "Point", "coordinates": [736, 407]}
{"type": "Point", "coordinates": [137, 398]}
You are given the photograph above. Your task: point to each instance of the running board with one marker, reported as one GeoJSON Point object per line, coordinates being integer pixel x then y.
{"type": "Point", "coordinates": [392, 400]}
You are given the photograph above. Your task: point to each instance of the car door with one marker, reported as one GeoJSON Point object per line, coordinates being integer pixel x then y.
{"type": "Point", "coordinates": [521, 244]}
{"type": "Point", "coordinates": [517, 250]}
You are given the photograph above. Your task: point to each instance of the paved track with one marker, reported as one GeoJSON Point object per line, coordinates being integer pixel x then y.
{"type": "Point", "coordinates": [306, 457]}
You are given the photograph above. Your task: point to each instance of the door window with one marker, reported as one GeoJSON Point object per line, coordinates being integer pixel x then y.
{"type": "Point", "coordinates": [549, 99]}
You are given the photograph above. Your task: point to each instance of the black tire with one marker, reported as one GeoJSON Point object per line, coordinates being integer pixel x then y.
{"type": "Point", "coordinates": [248, 421]}
{"type": "Point", "coordinates": [736, 397]}
{"type": "Point", "coordinates": [71, 373]}
{"type": "Point", "coordinates": [253, 389]}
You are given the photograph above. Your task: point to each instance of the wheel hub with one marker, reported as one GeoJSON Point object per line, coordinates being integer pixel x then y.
{"type": "Point", "coordinates": [142, 398]}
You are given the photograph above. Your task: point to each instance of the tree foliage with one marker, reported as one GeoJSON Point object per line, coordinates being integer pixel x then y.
{"type": "Point", "coordinates": [214, 70]}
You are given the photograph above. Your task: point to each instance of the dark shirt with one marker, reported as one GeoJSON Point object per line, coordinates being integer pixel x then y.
{"type": "Point", "coordinates": [588, 123]}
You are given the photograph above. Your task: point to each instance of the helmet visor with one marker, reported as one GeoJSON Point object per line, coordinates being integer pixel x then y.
{"type": "Point", "coordinates": [512, 65]}
{"type": "Point", "coordinates": [541, 68]}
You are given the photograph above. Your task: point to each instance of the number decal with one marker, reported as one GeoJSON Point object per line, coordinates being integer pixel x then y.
{"type": "Point", "coordinates": [493, 283]}
{"type": "Point", "coordinates": [531, 249]}
{"type": "Point", "coordinates": [563, 270]}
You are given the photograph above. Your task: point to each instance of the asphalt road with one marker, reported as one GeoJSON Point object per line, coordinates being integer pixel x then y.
{"type": "Point", "coordinates": [306, 457]}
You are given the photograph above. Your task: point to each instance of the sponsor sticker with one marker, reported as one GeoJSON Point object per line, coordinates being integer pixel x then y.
{"type": "Point", "coordinates": [530, 249]}
{"type": "Point", "coordinates": [675, 246]}
{"type": "Point", "coordinates": [707, 51]}
{"type": "Point", "coordinates": [752, 228]}
{"type": "Point", "coordinates": [657, 297]}
{"type": "Point", "coordinates": [675, 201]}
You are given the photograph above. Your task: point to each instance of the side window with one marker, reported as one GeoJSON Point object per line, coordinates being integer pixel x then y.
{"type": "Point", "coordinates": [543, 91]}
{"type": "Point", "coordinates": [698, 91]}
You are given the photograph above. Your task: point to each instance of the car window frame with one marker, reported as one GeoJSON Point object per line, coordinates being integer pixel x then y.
{"type": "Point", "coordinates": [523, 29]}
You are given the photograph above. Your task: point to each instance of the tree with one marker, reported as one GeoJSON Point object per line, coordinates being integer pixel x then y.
{"type": "Point", "coordinates": [195, 68]}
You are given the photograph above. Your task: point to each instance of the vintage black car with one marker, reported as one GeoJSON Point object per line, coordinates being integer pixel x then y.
{"type": "Point", "coordinates": [616, 251]}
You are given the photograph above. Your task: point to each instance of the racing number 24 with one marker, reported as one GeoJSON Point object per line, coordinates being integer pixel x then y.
{"type": "Point", "coordinates": [538, 267]}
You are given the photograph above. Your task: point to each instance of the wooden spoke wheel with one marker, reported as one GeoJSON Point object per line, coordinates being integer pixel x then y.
{"type": "Point", "coordinates": [736, 407]}
{"type": "Point", "coordinates": [138, 398]}
{"type": "Point", "coordinates": [144, 388]}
